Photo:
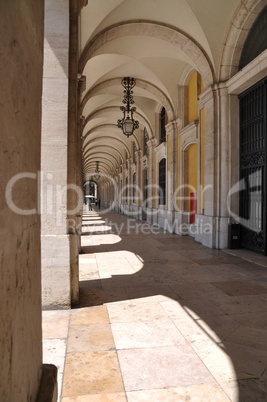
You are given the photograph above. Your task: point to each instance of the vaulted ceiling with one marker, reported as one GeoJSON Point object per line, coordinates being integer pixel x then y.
{"type": "Point", "coordinates": [155, 42]}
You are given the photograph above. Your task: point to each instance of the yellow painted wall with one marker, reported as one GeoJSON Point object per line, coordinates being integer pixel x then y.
{"type": "Point", "coordinates": [192, 98]}
{"type": "Point", "coordinates": [202, 157]}
{"type": "Point", "coordinates": [167, 173]}
{"type": "Point", "coordinates": [155, 190]}
{"type": "Point", "coordinates": [192, 169]}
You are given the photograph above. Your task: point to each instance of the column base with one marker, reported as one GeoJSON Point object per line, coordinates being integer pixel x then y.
{"type": "Point", "coordinates": [212, 231]}
{"type": "Point", "coordinates": [55, 252]}
{"type": "Point", "coordinates": [181, 226]}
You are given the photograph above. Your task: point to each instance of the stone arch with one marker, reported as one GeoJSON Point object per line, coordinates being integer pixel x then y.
{"type": "Point", "coordinates": [90, 165]}
{"type": "Point", "coordinates": [103, 159]}
{"type": "Point", "coordinates": [100, 112]}
{"type": "Point", "coordinates": [102, 137]}
{"type": "Point", "coordinates": [158, 30]}
{"type": "Point", "coordinates": [110, 155]}
{"type": "Point", "coordinates": [240, 25]}
{"type": "Point", "coordinates": [101, 151]}
{"type": "Point", "coordinates": [186, 75]}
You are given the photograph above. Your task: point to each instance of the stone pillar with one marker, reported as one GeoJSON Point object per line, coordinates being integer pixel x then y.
{"type": "Point", "coordinates": [55, 240]}
{"type": "Point", "coordinates": [223, 166]}
{"type": "Point", "coordinates": [130, 188]}
{"type": "Point", "coordinates": [116, 191]}
{"type": "Point", "coordinates": [150, 181]}
{"type": "Point", "coordinates": [119, 190]}
{"type": "Point", "coordinates": [123, 188]}
{"type": "Point", "coordinates": [182, 102]}
{"type": "Point", "coordinates": [171, 129]}
{"type": "Point", "coordinates": [213, 224]}
{"type": "Point", "coordinates": [75, 196]}
{"type": "Point", "coordinates": [206, 223]}
{"type": "Point", "coordinates": [234, 154]}
{"type": "Point", "coordinates": [21, 69]}
{"type": "Point", "coordinates": [79, 181]}
{"type": "Point", "coordinates": [138, 189]}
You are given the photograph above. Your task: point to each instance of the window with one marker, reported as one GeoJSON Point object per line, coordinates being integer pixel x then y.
{"type": "Point", "coordinates": [133, 152]}
{"type": "Point", "coordinates": [256, 41]}
{"type": "Point", "coordinates": [162, 125]}
{"type": "Point", "coordinates": [134, 187]}
{"type": "Point", "coordinates": [162, 182]}
{"type": "Point", "coordinates": [145, 151]}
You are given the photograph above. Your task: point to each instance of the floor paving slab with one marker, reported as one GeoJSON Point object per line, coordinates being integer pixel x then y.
{"type": "Point", "coordinates": [193, 393]}
{"type": "Point", "coordinates": [160, 318]}
{"type": "Point", "coordinates": [162, 367]}
{"type": "Point", "coordinates": [92, 373]}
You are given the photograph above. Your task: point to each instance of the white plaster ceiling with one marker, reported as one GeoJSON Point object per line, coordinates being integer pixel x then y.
{"type": "Point", "coordinates": [158, 58]}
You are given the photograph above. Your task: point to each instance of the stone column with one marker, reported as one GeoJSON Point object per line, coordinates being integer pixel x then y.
{"type": "Point", "coordinates": [182, 102]}
{"type": "Point", "coordinates": [116, 191]}
{"type": "Point", "coordinates": [150, 180]}
{"type": "Point", "coordinates": [55, 240]}
{"type": "Point", "coordinates": [206, 230]}
{"type": "Point", "coordinates": [123, 188]}
{"type": "Point", "coordinates": [171, 129]}
{"type": "Point", "coordinates": [130, 189]}
{"type": "Point", "coordinates": [138, 188]}
{"type": "Point", "coordinates": [75, 197]}
{"type": "Point", "coordinates": [213, 224]}
{"type": "Point", "coordinates": [234, 154]}
{"type": "Point", "coordinates": [21, 69]}
{"type": "Point", "coordinates": [79, 165]}
{"type": "Point", "coordinates": [223, 165]}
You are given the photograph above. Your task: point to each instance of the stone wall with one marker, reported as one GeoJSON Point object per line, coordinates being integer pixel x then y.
{"type": "Point", "coordinates": [21, 63]}
{"type": "Point", "coordinates": [55, 247]}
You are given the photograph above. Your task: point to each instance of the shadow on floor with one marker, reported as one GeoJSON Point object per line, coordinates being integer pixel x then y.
{"type": "Point", "coordinates": [222, 294]}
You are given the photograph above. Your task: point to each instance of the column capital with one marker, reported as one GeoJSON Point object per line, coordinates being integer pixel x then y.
{"type": "Point", "coordinates": [205, 97]}
{"type": "Point", "coordinates": [81, 83]}
{"type": "Point", "coordinates": [138, 153]}
{"type": "Point", "coordinates": [171, 127]}
{"type": "Point", "coordinates": [221, 88]}
{"type": "Point", "coordinates": [82, 3]}
{"type": "Point", "coordinates": [151, 143]}
{"type": "Point", "coordinates": [178, 122]}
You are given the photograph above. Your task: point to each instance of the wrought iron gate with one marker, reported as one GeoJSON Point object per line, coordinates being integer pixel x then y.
{"type": "Point", "coordinates": [253, 172]}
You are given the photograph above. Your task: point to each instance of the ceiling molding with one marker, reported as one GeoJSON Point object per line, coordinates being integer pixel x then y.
{"type": "Point", "coordinates": [103, 136]}
{"type": "Point", "coordinates": [162, 31]}
{"type": "Point", "coordinates": [108, 146]}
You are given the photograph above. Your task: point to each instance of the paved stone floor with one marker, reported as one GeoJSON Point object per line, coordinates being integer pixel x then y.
{"type": "Point", "coordinates": [161, 318]}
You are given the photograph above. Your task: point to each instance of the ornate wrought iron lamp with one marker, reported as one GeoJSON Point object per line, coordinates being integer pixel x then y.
{"type": "Point", "coordinates": [97, 175]}
{"type": "Point", "coordinates": [127, 123]}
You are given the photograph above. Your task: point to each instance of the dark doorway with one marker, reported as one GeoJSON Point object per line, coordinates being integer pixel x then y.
{"type": "Point", "coordinates": [253, 168]}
